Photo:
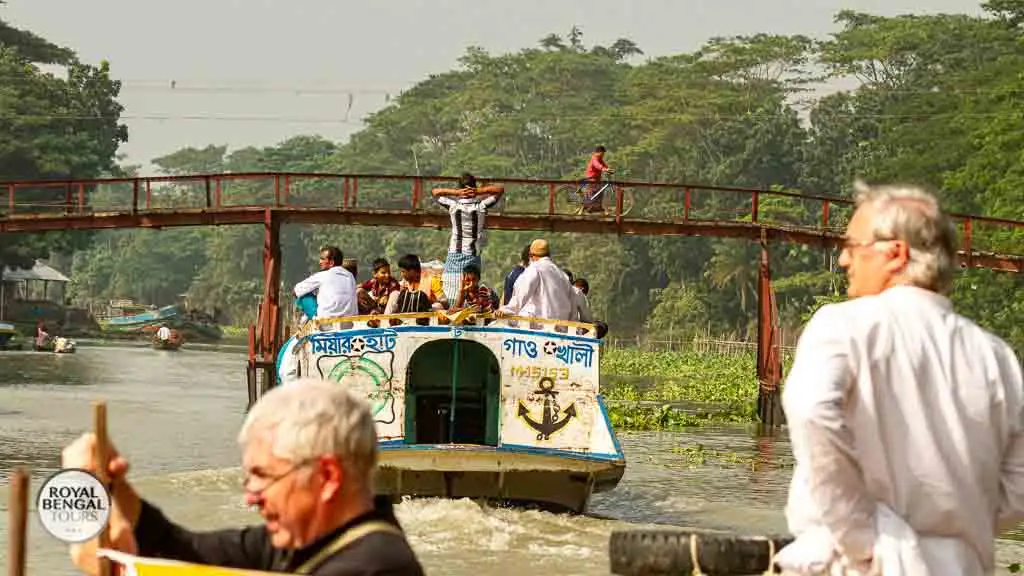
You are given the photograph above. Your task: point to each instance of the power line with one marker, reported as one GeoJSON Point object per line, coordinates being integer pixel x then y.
{"type": "Point", "coordinates": [172, 85]}
{"type": "Point", "coordinates": [527, 118]}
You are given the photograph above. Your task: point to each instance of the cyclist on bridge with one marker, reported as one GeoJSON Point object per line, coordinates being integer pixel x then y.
{"type": "Point", "coordinates": [595, 168]}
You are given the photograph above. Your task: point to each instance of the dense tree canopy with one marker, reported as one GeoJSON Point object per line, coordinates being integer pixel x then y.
{"type": "Point", "coordinates": [935, 101]}
{"type": "Point", "coordinates": [52, 126]}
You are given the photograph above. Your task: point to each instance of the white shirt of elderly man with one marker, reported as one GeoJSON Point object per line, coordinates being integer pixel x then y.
{"type": "Point", "coordinates": [542, 290]}
{"type": "Point", "coordinates": [906, 418]}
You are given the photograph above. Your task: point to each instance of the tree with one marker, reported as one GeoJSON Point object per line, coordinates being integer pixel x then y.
{"type": "Point", "coordinates": [52, 127]}
{"type": "Point", "coordinates": [724, 114]}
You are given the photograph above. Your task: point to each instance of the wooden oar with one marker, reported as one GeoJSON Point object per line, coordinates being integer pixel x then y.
{"type": "Point", "coordinates": [18, 523]}
{"type": "Point", "coordinates": [102, 472]}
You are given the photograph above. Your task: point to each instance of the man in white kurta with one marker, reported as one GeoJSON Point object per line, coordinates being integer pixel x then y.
{"type": "Point", "coordinates": [333, 285]}
{"type": "Point", "coordinates": [906, 419]}
{"type": "Point", "coordinates": [542, 290]}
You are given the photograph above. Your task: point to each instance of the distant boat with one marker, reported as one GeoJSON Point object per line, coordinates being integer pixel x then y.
{"type": "Point", "coordinates": [190, 325]}
{"type": "Point", "coordinates": [173, 343]}
{"type": "Point", "coordinates": [508, 410]}
{"type": "Point", "coordinates": [136, 322]}
{"type": "Point", "coordinates": [58, 345]}
{"type": "Point", "coordinates": [7, 332]}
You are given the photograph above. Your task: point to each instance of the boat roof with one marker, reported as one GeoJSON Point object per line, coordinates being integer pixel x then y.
{"type": "Point", "coordinates": [39, 271]}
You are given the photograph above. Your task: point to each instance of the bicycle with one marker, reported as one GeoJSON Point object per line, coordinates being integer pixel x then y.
{"type": "Point", "coordinates": [578, 197]}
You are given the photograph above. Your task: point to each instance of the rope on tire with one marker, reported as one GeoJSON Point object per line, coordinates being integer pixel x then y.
{"type": "Point", "coordinates": [693, 556]}
{"type": "Point", "coordinates": [771, 559]}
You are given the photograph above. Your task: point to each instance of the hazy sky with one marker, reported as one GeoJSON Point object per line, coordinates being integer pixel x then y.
{"type": "Point", "coordinates": [241, 67]}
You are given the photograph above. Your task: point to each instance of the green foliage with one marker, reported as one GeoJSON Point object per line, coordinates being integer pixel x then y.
{"type": "Point", "coordinates": [52, 127]}
{"type": "Point", "coordinates": [935, 102]}
{"type": "Point", "coordinates": [716, 388]}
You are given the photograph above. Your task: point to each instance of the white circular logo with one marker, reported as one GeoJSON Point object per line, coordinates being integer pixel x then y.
{"type": "Point", "coordinates": [73, 505]}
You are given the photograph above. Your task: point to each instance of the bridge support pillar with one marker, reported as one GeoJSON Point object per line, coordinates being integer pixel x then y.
{"type": "Point", "coordinates": [265, 336]}
{"type": "Point", "coordinates": [769, 347]}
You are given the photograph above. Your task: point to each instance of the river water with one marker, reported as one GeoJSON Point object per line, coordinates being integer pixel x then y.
{"type": "Point", "coordinates": [175, 416]}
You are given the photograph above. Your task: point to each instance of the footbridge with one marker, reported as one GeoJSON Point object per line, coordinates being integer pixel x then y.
{"type": "Point", "coordinates": [271, 199]}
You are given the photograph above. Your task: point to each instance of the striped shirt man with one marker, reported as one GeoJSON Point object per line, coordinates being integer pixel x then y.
{"type": "Point", "coordinates": [468, 217]}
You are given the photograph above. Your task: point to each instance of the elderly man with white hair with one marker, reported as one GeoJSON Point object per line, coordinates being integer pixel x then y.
{"type": "Point", "coordinates": [309, 453]}
{"type": "Point", "coordinates": [906, 419]}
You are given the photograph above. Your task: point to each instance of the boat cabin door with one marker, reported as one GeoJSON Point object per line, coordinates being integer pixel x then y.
{"type": "Point", "coordinates": [453, 394]}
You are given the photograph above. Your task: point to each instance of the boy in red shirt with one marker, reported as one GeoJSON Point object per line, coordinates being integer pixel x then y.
{"type": "Point", "coordinates": [374, 293]}
{"type": "Point", "coordinates": [595, 169]}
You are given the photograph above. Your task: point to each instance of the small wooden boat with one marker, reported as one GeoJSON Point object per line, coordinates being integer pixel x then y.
{"type": "Point", "coordinates": [470, 406]}
{"type": "Point", "coordinates": [58, 345]}
{"type": "Point", "coordinates": [173, 343]}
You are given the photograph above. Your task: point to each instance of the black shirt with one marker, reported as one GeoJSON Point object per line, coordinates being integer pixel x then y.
{"type": "Point", "coordinates": [375, 554]}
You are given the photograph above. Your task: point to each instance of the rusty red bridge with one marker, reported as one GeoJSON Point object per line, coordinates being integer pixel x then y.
{"type": "Point", "coordinates": [272, 199]}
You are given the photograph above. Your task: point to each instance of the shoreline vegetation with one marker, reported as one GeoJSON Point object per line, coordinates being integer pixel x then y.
{"type": "Point", "coordinates": [655, 391]}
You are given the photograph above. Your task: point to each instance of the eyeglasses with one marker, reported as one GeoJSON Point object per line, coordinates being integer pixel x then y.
{"type": "Point", "coordinates": [268, 481]}
{"type": "Point", "coordinates": [850, 244]}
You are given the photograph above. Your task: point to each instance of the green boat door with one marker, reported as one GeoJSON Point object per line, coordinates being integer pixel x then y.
{"type": "Point", "coordinates": [452, 394]}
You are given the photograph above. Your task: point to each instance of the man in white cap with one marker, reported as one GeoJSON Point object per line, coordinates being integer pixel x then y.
{"type": "Point", "coordinates": [542, 290]}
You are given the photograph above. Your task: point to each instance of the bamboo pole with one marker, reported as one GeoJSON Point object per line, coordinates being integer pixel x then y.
{"type": "Point", "coordinates": [18, 523]}
{"type": "Point", "coordinates": [102, 472]}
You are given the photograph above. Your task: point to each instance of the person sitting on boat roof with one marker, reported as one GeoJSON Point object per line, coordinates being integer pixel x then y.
{"type": "Point", "coordinates": [412, 297]}
{"type": "Point", "coordinates": [352, 265]}
{"type": "Point", "coordinates": [375, 292]}
{"type": "Point", "coordinates": [309, 452]}
{"type": "Point", "coordinates": [517, 270]}
{"type": "Point", "coordinates": [543, 290]}
{"type": "Point", "coordinates": [582, 286]}
{"type": "Point", "coordinates": [473, 293]}
{"type": "Point", "coordinates": [467, 206]}
{"type": "Point", "coordinates": [334, 288]}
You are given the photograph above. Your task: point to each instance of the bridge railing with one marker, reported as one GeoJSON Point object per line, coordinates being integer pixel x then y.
{"type": "Point", "coordinates": [629, 200]}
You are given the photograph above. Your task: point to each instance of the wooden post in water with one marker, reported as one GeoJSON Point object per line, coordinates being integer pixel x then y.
{"type": "Point", "coordinates": [102, 472]}
{"type": "Point", "coordinates": [769, 360]}
{"type": "Point", "coordinates": [17, 525]}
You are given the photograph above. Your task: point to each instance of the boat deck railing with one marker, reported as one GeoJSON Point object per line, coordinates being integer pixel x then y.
{"type": "Point", "coordinates": [441, 318]}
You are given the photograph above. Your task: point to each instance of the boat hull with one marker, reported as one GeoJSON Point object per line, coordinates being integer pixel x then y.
{"type": "Point", "coordinates": [175, 317]}
{"type": "Point", "coordinates": [166, 345]}
{"type": "Point", "coordinates": [555, 481]}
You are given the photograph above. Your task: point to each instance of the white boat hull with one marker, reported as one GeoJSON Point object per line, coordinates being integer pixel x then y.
{"type": "Point", "coordinates": [556, 481]}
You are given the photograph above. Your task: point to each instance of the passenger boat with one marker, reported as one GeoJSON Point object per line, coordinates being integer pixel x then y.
{"type": "Point", "coordinates": [468, 406]}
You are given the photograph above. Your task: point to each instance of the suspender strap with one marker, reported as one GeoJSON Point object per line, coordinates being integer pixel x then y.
{"type": "Point", "coordinates": [346, 538]}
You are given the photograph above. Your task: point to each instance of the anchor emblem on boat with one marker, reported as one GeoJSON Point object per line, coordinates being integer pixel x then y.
{"type": "Point", "coordinates": [549, 422]}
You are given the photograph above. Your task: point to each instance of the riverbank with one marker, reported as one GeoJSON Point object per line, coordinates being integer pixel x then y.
{"type": "Point", "coordinates": [677, 390]}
